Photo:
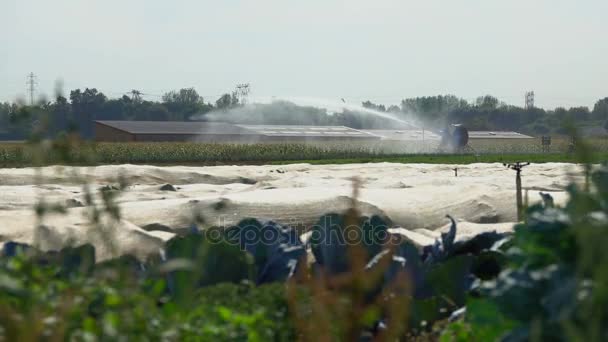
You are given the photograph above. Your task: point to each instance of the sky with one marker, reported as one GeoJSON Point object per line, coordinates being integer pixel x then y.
{"type": "Point", "coordinates": [379, 50]}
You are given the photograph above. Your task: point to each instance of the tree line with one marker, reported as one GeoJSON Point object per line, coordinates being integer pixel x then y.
{"type": "Point", "coordinates": [488, 113]}
{"type": "Point", "coordinates": [77, 112]}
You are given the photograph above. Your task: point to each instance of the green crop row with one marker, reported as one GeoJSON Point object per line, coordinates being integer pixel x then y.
{"type": "Point", "coordinates": [65, 152]}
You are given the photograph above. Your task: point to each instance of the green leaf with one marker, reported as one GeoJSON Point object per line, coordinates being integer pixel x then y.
{"type": "Point", "coordinates": [486, 320]}
{"type": "Point", "coordinates": [450, 280]}
{"type": "Point", "coordinates": [424, 312]}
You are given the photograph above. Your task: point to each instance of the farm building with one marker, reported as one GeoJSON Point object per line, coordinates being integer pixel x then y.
{"type": "Point", "coordinates": [169, 131]}
{"type": "Point", "coordinates": [404, 134]}
{"type": "Point", "coordinates": [497, 135]}
{"type": "Point", "coordinates": [293, 132]}
{"type": "Point", "coordinates": [419, 135]}
{"type": "Point", "coordinates": [226, 132]}
{"type": "Point", "coordinates": [222, 132]}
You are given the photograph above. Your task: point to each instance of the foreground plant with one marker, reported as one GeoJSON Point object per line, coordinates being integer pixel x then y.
{"type": "Point", "coordinates": [556, 285]}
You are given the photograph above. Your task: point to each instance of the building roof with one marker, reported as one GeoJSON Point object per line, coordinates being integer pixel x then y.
{"type": "Point", "coordinates": [308, 131]}
{"type": "Point", "coordinates": [417, 135]}
{"type": "Point", "coordinates": [593, 131]}
{"type": "Point", "coordinates": [404, 134]}
{"type": "Point", "coordinates": [175, 127]}
{"type": "Point", "coordinates": [203, 127]}
{"type": "Point", "coordinates": [497, 135]}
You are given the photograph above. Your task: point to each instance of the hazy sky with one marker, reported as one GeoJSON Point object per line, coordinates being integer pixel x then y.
{"type": "Point", "coordinates": [383, 50]}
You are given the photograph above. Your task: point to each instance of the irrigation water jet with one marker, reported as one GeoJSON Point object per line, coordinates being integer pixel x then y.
{"type": "Point", "coordinates": [333, 107]}
{"type": "Point", "coordinates": [255, 112]}
{"type": "Point", "coordinates": [315, 111]}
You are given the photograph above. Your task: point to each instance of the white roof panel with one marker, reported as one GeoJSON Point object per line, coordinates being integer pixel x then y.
{"type": "Point", "coordinates": [308, 131]}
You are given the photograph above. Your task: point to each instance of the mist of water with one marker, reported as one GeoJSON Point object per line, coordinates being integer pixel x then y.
{"type": "Point", "coordinates": [261, 110]}
{"type": "Point", "coordinates": [319, 112]}
{"type": "Point", "coordinates": [337, 107]}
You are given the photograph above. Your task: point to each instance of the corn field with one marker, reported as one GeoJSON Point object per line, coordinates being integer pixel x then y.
{"type": "Point", "coordinates": [24, 154]}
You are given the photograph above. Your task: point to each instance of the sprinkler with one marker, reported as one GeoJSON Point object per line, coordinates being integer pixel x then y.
{"type": "Point", "coordinates": [455, 138]}
{"type": "Point", "coordinates": [518, 166]}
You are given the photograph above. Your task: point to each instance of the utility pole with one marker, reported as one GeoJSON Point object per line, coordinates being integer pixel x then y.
{"type": "Point", "coordinates": [242, 92]}
{"type": "Point", "coordinates": [529, 100]}
{"type": "Point", "coordinates": [136, 95]}
{"type": "Point", "coordinates": [31, 86]}
{"type": "Point", "coordinates": [518, 166]}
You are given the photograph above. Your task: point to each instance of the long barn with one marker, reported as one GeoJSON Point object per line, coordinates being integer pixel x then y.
{"type": "Point", "coordinates": [201, 131]}
{"type": "Point", "coordinates": [222, 132]}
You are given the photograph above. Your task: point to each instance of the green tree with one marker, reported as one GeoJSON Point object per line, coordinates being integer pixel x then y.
{"type": "Point", "coordinates": [434, 109]}
{"type": "Point", "coordinates": [560, 112]}
{"type": "Point", "coordinates": [370, 105]}
{"type": "Point", "coordinates": [600, 110]}
{"type": "Point", "coordinates": [4, 119]}
{"type": "Point", "coordinates": [86, 106]}
{"type": "Point", "coordinates": [61, 114]}
{"type": "Point", "coordinates": [487, 102]}
{"type": "Point", "coordinates": [185, 96]}
{"type": "Point", "coordinates": [152, 111]}
{"type": "Point", "coordinates": [394, 109]}
{"type": "Point", "coordinates": [227, 101]}
{"type": "Point", "coordinates": [578, 114]}
{"type": "Point", "coordinates": [185, 103]}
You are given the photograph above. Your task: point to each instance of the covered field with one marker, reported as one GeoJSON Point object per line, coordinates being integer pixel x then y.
{"type": "Point", "coordinates": [414, 196]}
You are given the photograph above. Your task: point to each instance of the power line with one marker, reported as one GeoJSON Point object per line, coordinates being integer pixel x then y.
{"type": "Point", "coordinates": [31, 86]}
{"type": "Point", "coordinates": [136, 95]}
{"type": "Point", "coordinates": [529, 100]}
{"type": "Point", "coordinates": [242, 91]}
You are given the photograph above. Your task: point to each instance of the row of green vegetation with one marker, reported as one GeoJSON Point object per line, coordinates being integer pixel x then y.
{"type": "Point", "coordinates": [78, 110]}
{"type": "Point", "coordinates": [73, 151]}
{"type": "Point", "coordinates": [256, 281]}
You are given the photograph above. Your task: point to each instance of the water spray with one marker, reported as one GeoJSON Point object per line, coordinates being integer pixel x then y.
{"type": "Point", "coordinates": [454, 138]}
